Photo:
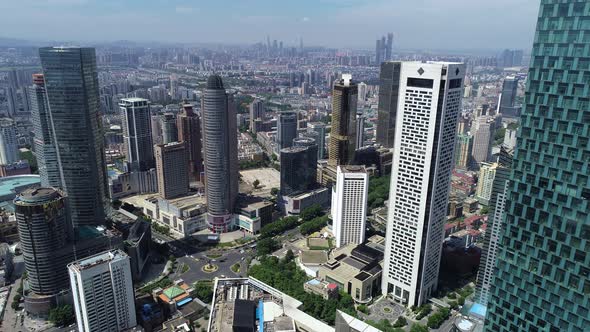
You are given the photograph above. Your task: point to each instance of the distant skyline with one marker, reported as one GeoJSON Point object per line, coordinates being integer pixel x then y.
{"type": "Point", "coordinates": [416, 24]}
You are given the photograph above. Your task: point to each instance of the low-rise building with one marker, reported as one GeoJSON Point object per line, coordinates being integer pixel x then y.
{"type": "Point", "coordinates": [20, 167]}
{"type": "Point", "coordinates": [293, 205]}
{"type": "Point", "coordinates": [6, 264]}
{"type": "Point", "coordinates": [356, 269]}
{"type": "Point", "coordinates": [470, 205]}
{"type": "Point", "coordinates": [183, 216]}
{"type": "Point", "coordinates": [322, 288]}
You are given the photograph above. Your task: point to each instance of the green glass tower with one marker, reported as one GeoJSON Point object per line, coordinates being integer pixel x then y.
{"type": "Point", "coordinates": [542, 280]}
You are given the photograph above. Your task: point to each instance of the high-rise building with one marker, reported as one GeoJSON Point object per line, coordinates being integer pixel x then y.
{"type": "Point", "coordinates": [542, 276]}
{"type": "Point", "coordinates": [71, 83]}
{"type": "Point", "coordinates": [483, 139]}
{"type": "Point", "coordinates": [103, 294]}
{"type": "Point", "coordinates": [8, 142]}
{"type": "Point", "coordinates": [343, 134]}
{"type": "Point", "coordinates": [485, 182]}
{"type": "Point", "coordinates": [156, 125]}
{"type": "Point", "coordinates": [510, 138]}
{"type": "Point", "coordinates": [299, 165]}
{"type": "Point", "coordinates": [169, 129]}
{"type": "Point", "coordinates": [389, 47]}
{"type": "Point", "coordinates": [45, 232]}
{"type": "Point", "coordinates": [220, 152]}
{"type": "Point", "coordinates": [430, 99]}
{"type": "Point", "coordinates": [137, 134]}
{"type": "Point", "coordinates": [349, 205]}
{"type": "Point", "coordinates": [256, 112]}
{"type": "Point", "coordinates": [189, 131]}
{"type": "Point", "coordinates": [378, 52]}
{"type": "Point", "coordinates": [387, 106]}
{"type": "Point", "coordinates": [507, 98]}
{"type": "Point", "coordinates": [320, 129]}
{"type": "Point", "coordinates": [171, 170]}
{"type": "Point", "coordinates": [44, 141]}
{"type": "Point", "coordinates": [497, 215]}
{"type": "Point", "coordinates": [463, 148]}
{"type": "Point", "coordinates": [360, 130]}
{"type": "Point", "coordinates": [286, 129]}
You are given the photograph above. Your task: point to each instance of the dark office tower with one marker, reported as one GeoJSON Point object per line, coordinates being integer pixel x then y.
{"type": "Point", "coordinates": [45, 233]}
{"type": "Point", "coordinates": [299, 167]}
{"type": "Point", "coordinates": [43, 140]}
{"type": "Point", "coordinates": [542, 278]}
{"type": "Point", "coordinates": [189, 131]}
{"type": "Point", "coordinates": [156, 125]}
{"type": "Point", "coordinates": [389, 47]}
{"type": "Point", "coordinates": [318, 132]}
{"type": "Point", "coordinates": [257, 112]}
{"type": "Point", "coordinates": [220, 152]}
{"type": "Point", "coordinates": [378, 56]}
{"type": "Point", "coordinates": [169, 130]}
{"type": "Point", "coordinates": [137, 134]}
{"type": "Point", "coordinates": [507, 98]}
{"type": "Point", "coordinates": [497, 215]}
{"type": "Point", "coordinates": [387, 107]}
{"type": "Point", "coordinates": [286, 129]}
{"type": "Point", "coordinates": [343, 134]}
{"type": "Point", "coordinates": [71, 83]}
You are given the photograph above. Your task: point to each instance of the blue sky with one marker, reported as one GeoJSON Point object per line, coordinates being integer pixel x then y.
{"type": "Point", "coordinates": [424, 24]}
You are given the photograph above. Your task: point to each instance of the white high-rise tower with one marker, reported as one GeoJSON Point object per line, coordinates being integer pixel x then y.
{"type": "Point", "coordinates": [349, 205]}
{"type": "Point", "coordinates": [429, 104]}
{"type": "Point", "coordinates": [103, 292]}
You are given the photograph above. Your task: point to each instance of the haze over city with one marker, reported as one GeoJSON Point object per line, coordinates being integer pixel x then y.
{"type": "Point", "coordinates": [422, 24]}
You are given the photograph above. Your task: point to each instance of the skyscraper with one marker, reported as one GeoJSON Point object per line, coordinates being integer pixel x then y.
{"type": "Point", "coordinates": [171, 169]}
{"type": "Point", "coordinates": [256, 112]}
{"type": "Point", "coordinates": [8, 142]}
{"type": "Point", "coordinates": [430, 101]}
{"type": "Point", "coordinates": [103, 292]}
{"type": "Point", "coordinates": [44, 140]}
{"type": "Point", "coordinates": [189, 131]}
{"type": "Point", "coordinates": [349, 205]}
{"type": "Point", "coordinates": [483, 139]}
{"type": "Point", "coordinates": [220, 152]}
{"type": "Point", "coordinates": [137, 134]}
{"type": "Point", "coordinates": [343, 134]}
{"type": "Point", "coordinates": [506, 107]}
{"type": "Point", "coordinates": [378, 50]}
{"type": "Point", "coordinates": [496, 218]}
{"type": "Point", "coordinates": [71, 83]}
{"type": "Point", "coordinates": [389, 47]}
{"type": "Point", "coordinates": [463, 148]}
{"type": "Point", "coordinates": [485, 182]}
{"type": "Point", "coordinates": [45, 232]}
{"type": "Point", "coordinates": [542, 279]}
{"type": "Point", "coordinates": [387, 105]}
{"type": "Point", "coordinates": [286, 129]}
{"type": "Point", "coordinates": [299, 165]}
{"type": "Point", "coordinates": [320, 129]}
{"type": "Point", "coordinates": [169, 129]}
{"type": "Point", "coordinates": [360, 130]}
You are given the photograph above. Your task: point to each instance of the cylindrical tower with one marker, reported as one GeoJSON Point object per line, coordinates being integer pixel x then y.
{"type": "Point", "coordinates": [44, 230]}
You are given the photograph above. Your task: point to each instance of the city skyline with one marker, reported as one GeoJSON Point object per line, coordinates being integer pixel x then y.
{"type": "Point", "coordinates": [317, 23]}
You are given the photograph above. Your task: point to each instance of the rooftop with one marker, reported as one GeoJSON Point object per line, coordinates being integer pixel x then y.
{"type": "Point", "coordinates": [101, 258]}
{"type": "Point", "coordinates": [11, 185]}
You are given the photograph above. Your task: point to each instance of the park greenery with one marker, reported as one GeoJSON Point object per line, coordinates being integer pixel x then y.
{"type": "Point", "coordinates": [378, 191]}
{"type": "Point", "coordinates": [162, 283]}
{"type": "Point", "coordinates": [314, 225]}
{"type": "Point", "coordinates": [165, 230]}
{"type": "Point", "coordinates": [423, 311]}
{"type": "Point", "coordinates": [278, 227]}
{"type": "Point", "coordinates": [266, 246]}
{"type": "Point", "coordinates": [385, 326]}
{"type": "Point", "coordinates": [313, 211]}
{"type": "Point", "coordinates": [61, 315]}
{"type": "Point", "coordinates": [435, 320]}
{"type": "Point", "coordinates": [418, 328]}
{"type": "Point", "coordinates": [204, 290]}
{"type": "Point", "coordinates": [285, 276]}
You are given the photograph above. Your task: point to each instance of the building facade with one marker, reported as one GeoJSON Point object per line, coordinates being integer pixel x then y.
{"type": "Point", "coordinates": [508, 97]}
{"type": "Point", "coordinates": [463, 148]}
{"type": "Point", "coordinates": [286, 129]}
{"type": "Point", "coordinates": [388, 99]}
{"type": "Point", "coordinates": [343, 134]}
{"type": "Point", "coordinates": [103, 294]}
{"type": "Point", "coordinates": [319, 129]}
{"type": "Point", "coordinates": [349, 205]}
{"type": "Point", "coordinates": [485, 182]}
{"type": "Point", "coordinates": [8, 142]}
{"type": "Point", "coordinates": [71, 84]}
{"type": "Point", "coordinates": [430, 97]}
{"type": "Point", "coordinates": [298, 169]}
{"type": "Point", "coordinates": [189, 131]}
{"type": "Point", "coordinates": [171, 161]}
{"type": "Point", "coordinates": [483, 139]}
{"type": "Point", "coordinates": [220, 144]}
{"type": "Point", "coordinates": [169, 129]}
{"type": "Point", "coordinates": [542, 278]}
{"type": "Point", "coordinates": [137, 134]}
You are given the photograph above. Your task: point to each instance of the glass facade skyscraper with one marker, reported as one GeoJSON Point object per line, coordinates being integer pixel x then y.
{"type": "Point", "coordinates": [542, 280]}
{"type": "Point", "coordinates": [71, 84]}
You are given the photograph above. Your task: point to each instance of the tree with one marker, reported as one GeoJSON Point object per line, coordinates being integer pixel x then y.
{"type": "Point", "coordinates": [61, 315]}
{"type": "Point", "coordinates": [256, 183]}
{"type": "Point", "coordinates": [400, 322]}
{"type": "Point", "coordinates": [484, 210]}
{"type": "Point", "coordinates": [418, 328]}
{"type": "Point", "coordinates": [311, 212]}
{"type": "Point", "coordinates": [289, 256]}
{"type": "Point", "coordinates": [314, 225]}
{"type": "Point", "coordinates": [204, 290]}
{"type": "Point", "coordinates": [266, 246]}
{"type": "Point", "coordinates": [274, 191]}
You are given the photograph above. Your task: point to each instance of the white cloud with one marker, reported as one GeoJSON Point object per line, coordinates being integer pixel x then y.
{"type": "Point", "coordinates": [305, 19]}
{"type": "Point", "coordinates": [185, 9]}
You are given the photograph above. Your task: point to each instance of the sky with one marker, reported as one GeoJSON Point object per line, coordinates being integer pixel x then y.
{"type": "Point", "coordinates": [416, 24]}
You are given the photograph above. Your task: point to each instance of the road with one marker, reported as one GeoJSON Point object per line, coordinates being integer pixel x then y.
{"type": "Point", "coordinates": [228, 258]}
